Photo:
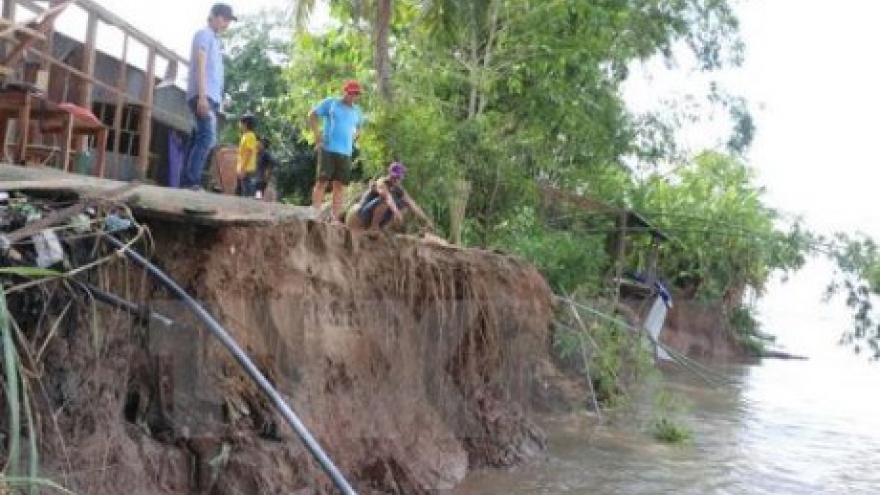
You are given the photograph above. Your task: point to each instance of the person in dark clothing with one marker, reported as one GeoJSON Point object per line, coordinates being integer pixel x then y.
{"type": "Point", "coordinates": [267, 166]}
{"type": "Point", "coordinates": [385, 203]}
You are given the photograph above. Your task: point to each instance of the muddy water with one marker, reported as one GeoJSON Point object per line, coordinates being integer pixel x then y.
{"type": "Point", "coordinates": [786, 427]}
{"type": "Point", "coordinates": [809, 427]}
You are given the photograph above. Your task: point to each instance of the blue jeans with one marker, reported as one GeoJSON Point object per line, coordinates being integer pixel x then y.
{"type": "Point", "coordinates": [247, 185]}
{"type": "Point", "coordinates": [368, 210]}
{"type": "Point", "coordinates": [203, 139]}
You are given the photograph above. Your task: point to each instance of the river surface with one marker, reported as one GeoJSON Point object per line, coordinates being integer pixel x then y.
{"type": "Point", "coordinates": [784, 427]}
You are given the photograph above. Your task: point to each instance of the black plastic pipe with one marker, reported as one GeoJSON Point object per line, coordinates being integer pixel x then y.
{"type": "Point", "coordinates": [141, 313]}
{"type": "Point", "coordinates": [242, 358]}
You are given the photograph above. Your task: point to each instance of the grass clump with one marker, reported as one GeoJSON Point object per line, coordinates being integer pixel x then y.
{"type": "Point", "coordinates": [668, 431]}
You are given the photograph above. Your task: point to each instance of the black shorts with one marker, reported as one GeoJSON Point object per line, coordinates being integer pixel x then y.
{"type": "Point", "coordinates": [334, 167]}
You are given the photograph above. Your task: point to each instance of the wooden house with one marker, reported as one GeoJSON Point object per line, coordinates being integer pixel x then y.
{"type": "Point", "coordinates": [66, 102]}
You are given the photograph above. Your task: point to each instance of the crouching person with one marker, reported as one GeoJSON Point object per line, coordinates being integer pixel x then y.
{"type": "Point", "coordinates": [385, 204]}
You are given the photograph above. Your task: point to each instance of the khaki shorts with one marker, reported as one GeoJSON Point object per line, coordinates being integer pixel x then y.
{"type": "Point", "coordinates": [334, 167]}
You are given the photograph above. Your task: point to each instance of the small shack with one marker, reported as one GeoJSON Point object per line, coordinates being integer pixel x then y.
{"type": "Point", "coordinates": [628, 226]}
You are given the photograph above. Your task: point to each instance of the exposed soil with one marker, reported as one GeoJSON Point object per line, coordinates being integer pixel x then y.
{"type": "Point", "coordinates": [409, 361]}
{"type": "Point", "coordinates": [701, 331]}
{"type": "Point", "coordinates": [696, 329]}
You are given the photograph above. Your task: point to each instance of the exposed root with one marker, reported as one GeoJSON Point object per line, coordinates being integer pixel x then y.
{"type": "Point", "coordinates": [409, 362]}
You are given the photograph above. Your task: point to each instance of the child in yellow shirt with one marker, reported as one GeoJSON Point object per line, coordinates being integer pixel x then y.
{"type": "Point", "coordinates": [247, 157]}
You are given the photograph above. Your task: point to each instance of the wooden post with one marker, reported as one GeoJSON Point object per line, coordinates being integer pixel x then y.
{"type": "Point", "coordinates": [653, 259]}
{"type": "Point", "coordinates": [122, 87]}
{"type": "Point", "coordinates": [9, 9]}
{"type": "Point", "coordinates": [146, 125]}
{"type": "Point", "coordinates": [66, 138]}
{"type": "Point", "coordinates": [88, 65]}
{"type": "Point", "coordinates": [100, 154]}
{"type": "Point", "coordinates": [86, 88]}
{"type": "Point", "coordinates": [8, 13]}
{"type": "Point", "coordinates": [24, 126]}
{"type": "Point", "coordinates": [47, 48]}
{"type": "Point", "coordinates": [621, 255]}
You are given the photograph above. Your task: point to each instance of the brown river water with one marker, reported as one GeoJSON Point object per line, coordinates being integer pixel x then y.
{"type": "Point", "coordinates": [783, 427]}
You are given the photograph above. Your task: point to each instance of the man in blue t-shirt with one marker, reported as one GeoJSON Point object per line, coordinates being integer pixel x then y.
{"type": "Point", "coordinates": [204, 91]}
{"type": "Point", "coordinates": [342, 119]}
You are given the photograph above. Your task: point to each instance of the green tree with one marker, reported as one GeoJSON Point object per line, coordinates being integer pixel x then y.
{"type": "Point", "coordinates": [380, 25]}
{"type": "Point", "coordinates": [856, 258]}
{"type": "Point", "coordinates": [724, 234]}
{"type": "Point", "coordinates": [256, 58]}
{"type": "Point", "coordinates": [524, 96]}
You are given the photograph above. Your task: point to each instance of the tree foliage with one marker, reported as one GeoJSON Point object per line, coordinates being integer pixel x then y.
{"type": "Point", "coordinates": [857, 260]}
{"type": "Point", "coordinates": [522, 97]}
{"type": "Point", "coordinates": [723, 234]}
{"type": "Point", "coordinates": [256, 59]}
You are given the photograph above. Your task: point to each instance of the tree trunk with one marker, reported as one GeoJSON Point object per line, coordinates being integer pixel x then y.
{"type": "Point", "coordinates": [474, 68]}
{"type": "Point", "coordinates": [382, 54]}
{"type": "Point", "coordinates": [487, 55]}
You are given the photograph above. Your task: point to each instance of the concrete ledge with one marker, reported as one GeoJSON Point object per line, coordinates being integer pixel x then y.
{"type": "Point", "coordinates": [153, 201]}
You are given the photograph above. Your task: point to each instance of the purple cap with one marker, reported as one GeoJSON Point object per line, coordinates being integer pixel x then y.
{"type": "Point", "coordinates": [397, 170]}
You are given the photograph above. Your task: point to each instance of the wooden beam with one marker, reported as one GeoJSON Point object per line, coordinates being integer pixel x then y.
{"type": "Point", "coordinates": [9, 29]}
{"type": "Point", "coordinates": [121, 85]}
{"type": "Point", "coordinates": [621, 256]}
{"type": "Point", "coordinates": [111, 19]}
{"type": "Point", "coordinates": [582, 202]}
{"type": "Point", "coordinates": [146, 124]}
{"type": "Point", "coordinates": [66, 138]}
{"type": "Point", "coordinates": [8, 10]}
{"type": "Point", "coordinates": [48, 18]}
{"type": "Point", "coordinates": [47, 47]}
{"type": "Point", "coordinates": [114, 20]}
{"type": "Point", "coordinates": [24, 117]}
{"type": "Point", "coordinates": [8, 14]}
{"type": "Point", "coordinates": [100, 154]}
{"type": "Point", "coordinates": [88, 63]}
{"type": "Point", "coordinates": [86, 87]}
{"type": "Point", "coordinates": [76, 72]}
{"type": "Point", "coordinates": [30, 5]}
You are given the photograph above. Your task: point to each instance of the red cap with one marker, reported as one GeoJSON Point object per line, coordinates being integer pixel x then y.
{"type": "Point", "coordinates": [352, 87]}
